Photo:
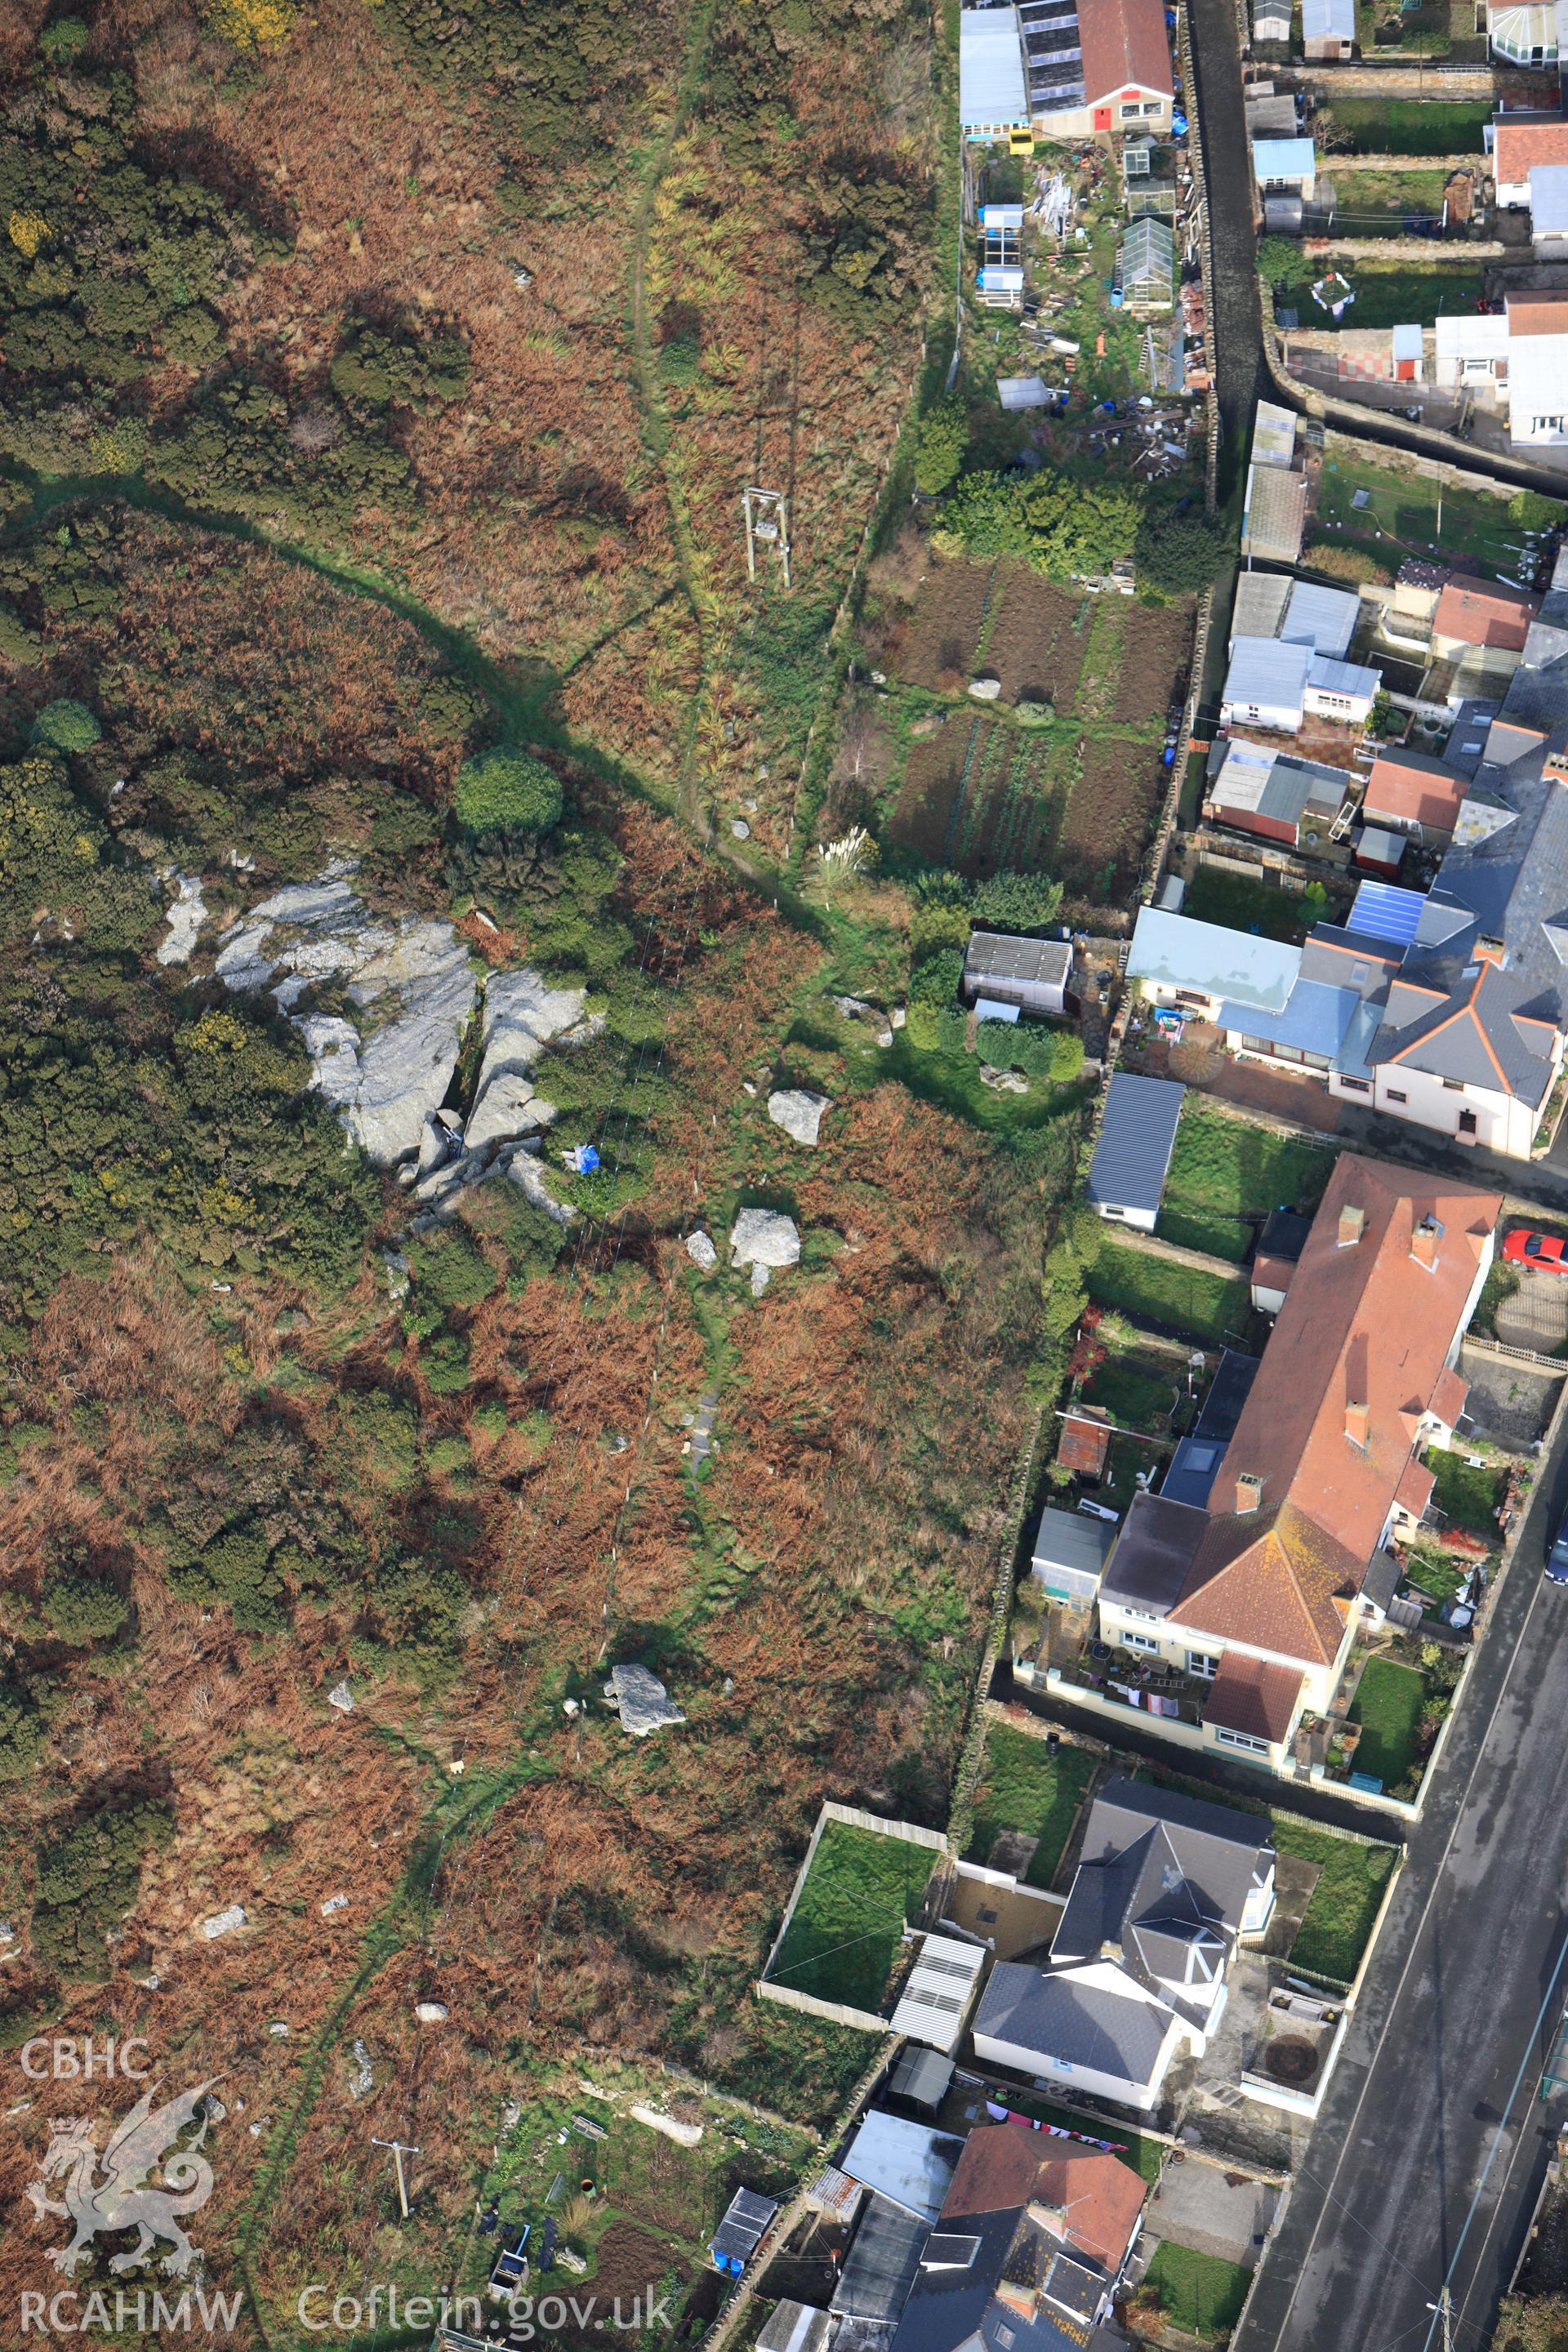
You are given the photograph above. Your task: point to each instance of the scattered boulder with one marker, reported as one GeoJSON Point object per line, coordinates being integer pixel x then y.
{"type": "Point", "coordinates": [524, 1172]}
{"type": "Point", "coordinates": [761, 1277]}
{"type": "Point", "coordinates": [700, 1249]}
{"type": "Point", "coordinates": [798, 1112]}
{"type": "Point", "coordinates": [342, 1697]}
{"type": "Point", "coordinates": [641, 1700]}
{"type": "Point", "coordinates": [764, 1237]}
{"type": "Point", "coordinates": [929, 722]}
{"type": "Point", "coordinates": [985, 689]}
{"type": "Point", "coordinates": [396, 1267]}
{"type": "Point", "coordinates": [739, 828]}
{"type": "Point", "coordinates": [333, 1905]}
{"type": "Point", "coordinates": [1004, 1082]}
{"type": "Point", "coordinates": [431, 2013]}
{"type": "Point", "coordinates": [224, 1923]}
{"type": "Point", "coordinates": [684, 2135]}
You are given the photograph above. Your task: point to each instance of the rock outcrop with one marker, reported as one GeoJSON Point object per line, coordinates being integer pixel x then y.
{"type": "Point", "coordinates": [522, 1016]}
{"type": "Point", "coordinates": [407, 979]}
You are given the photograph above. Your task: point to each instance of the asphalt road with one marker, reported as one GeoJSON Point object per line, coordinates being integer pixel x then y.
{"type": "Point", "coordinates": [1423, 2167]}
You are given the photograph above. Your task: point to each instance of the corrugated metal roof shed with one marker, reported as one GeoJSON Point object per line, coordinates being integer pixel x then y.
{"type": "Point", "coordinates": [1266, 674]}
{"type": "Point", "coordinates": [881, 2266]}
{"type": "Point", "coordinates": [1324, 618]}
{"type": "Point", "coordinates": [1137, 1137]}
{"type": "Point", "coordinates": [1383, 911]}
{"type": "Point", "coordinates": [1261, 598]}
{"type": "Point", "coordinates": [1276, 517]}
{"type": "Point", "coordinates": [921, 2076]}
{"type": "Point", "coordinates": [999, 955]}
{"type": "Point", "coordinates": [990, 68]}
{"type": "Point", "coordinates": [1378, 846]}
{"type": "Point", "coordinates": [795, 2327]}
{"type": "Point", "coordinates": [1085, 1440]}
{"type": "Point", "coordinates": [936, 1996]}
{"type": "Point", "coordinates": [1177, 953]}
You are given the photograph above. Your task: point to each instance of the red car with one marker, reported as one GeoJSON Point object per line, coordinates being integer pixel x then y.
{"type": "Point", "coordinates": [1544, 1251]}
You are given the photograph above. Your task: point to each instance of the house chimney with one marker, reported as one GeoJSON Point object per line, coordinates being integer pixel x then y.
{"type": "Point", "coordinates": [1489, 948]}
{"type": "Point", "coordinates": [1352, 1224]}
{"type": "Point", "coordinates": [1424, 1242]}
{"type": "Point", "coordinates": [1358, 1423]}
{"type": "Point", "coordinates": [1248, 1494]}
{"type": "Point", "coordinates": [1555, 766]}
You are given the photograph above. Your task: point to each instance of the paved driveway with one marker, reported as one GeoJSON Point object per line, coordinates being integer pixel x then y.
{"type": "Point", "coordinates": [1537, 1314]}
{"type": "Point", "coordinates": [1425, 2161]}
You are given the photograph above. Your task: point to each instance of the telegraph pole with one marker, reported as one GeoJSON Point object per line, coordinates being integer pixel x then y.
{"type": "Point", "coordinates": [1444, 2307]}
{"type": "Point", "coordinates": [400, 2149]}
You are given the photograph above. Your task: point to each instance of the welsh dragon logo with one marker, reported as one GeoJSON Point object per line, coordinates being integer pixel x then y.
{"type": "Point", "coordinates": [121, 2195]}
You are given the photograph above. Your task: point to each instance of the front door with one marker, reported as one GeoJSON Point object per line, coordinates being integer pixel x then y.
{"type": "Point", "coordinates": [1102, 117]}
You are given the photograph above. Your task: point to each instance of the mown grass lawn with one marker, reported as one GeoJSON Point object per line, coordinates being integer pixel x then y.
{"type": "Point", "coordinates": [1137, 1391]}
{"type": "Point", "coordinates": [1400, 517]}
{"type": "Point", "coordinates": [1388, 1702]}
{"type": "Point", "coordinates": [1340, 1915]}
{"type": "Point", "coordinates": [1199, 2292]}
{"type": "Point", "coordinates": [861, 1891]}
{"type": "Point", "coordinates": [1227, 1174]}
{"type": "Point", "coordinates": [1027, 1786]}
{"type": "Point", "coordinates": [1179, 1296]}
{"type": "Point", "coordinates": [1377, 126]}
{"type": "Point", "coordinates": [1238, 904]}
{"type": "Point", "coordinates": [1465, 1494]}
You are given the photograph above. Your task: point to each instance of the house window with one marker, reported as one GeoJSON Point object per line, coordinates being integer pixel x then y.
{"type": "Point", "coordinates": [1139, 1642]}
{"type": "Point", "coordinates": [1144, 1616]}
{"type": "Point", "coordinates": [1546, 424]}
{"type": "Point", "coordinates": [1393, 1094]}
{"type": "Point", "coordinates": [1243, 1739]}
{"type": "Point", "coordinates": [1130, 114]}
{"type": "Point", "coordinates": [1152, 105]}
{"type": "Point", "coordinates": [1200, 1662]}
{"type": "Point", "coordinates": [1453, 1085]}
{"type": "Point", "coordinates": [1107, 1211]}
{"type": "Point", "coordinates": [1356, 1085]}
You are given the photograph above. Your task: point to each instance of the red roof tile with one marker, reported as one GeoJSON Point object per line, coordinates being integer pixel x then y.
{"type": "Point", "coordinates": [1450, 1396]}
{"type": "Point", "coordinates": [1538, 314]}
{"type": "Point", "coordinates": [1414, 1491]}
{"type": "Point", "coordinates": [1086, 1440]}
{"type": "Point", "coordinates": [1251, 1696]}
{"type": "Point", "coordinates": [1008, 2166]}
{"type": "Point", "coordinates": [1518, 145]}
{"type": "Point", "coordinates": [1124, 47]}
{"type": "Point", "coordinates": [1414, 789]}
{"type": "Point", "coordinates": [1477, 613]}
{"type": "Point", "coordinates": [1366, 1325]}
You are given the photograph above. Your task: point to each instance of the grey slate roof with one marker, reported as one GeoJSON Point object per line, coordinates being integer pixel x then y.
{"type": "Point", "coordinates": [1063, 2019]}
{"type": "Point", "coordinates": [881, 2266]}
{"type": "Point", "coordinates": [1153, 1554]}
{"type": "Point", "coordinates": [1137, 1137]}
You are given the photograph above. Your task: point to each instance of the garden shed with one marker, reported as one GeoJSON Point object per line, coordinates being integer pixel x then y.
{"type": "Point", "coordinates": [740, 2233]}
{"type": "Point", "coordinates": [1071, 1548]}
{"type": "Point", "coordinates": [1137, 1137]}
{"type": "Point", "coordinates": [1271, 20]}
{"type": "Point", "coordinates": [1146, 265]}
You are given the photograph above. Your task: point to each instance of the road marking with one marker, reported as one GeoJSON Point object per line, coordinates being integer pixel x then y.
{"type": "Point", "coordinates": [1349, 2133]}
{"type": "Point", "coordinates": [1528, 2136]}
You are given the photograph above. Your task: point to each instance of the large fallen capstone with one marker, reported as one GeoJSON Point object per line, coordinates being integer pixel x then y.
{"type": "Point", "coordinates": [764, 1237]}
{"type": "Point", "coordinates": [798, 1112]}
{"type": "Point", "coordinates": [522, 1016]}
{"type": "Point", "coordinates": [409, 982]}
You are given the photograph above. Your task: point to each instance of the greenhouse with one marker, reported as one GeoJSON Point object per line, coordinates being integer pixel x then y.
{"type": "Point", "coordinates": [1146, 267]}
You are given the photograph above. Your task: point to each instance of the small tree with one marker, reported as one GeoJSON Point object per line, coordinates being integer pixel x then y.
{"type": "Point", "coordinates": [939, 445]}
{"type": "Point", "coordinates": [66, 726]}
{"type": "Point", "coordinates": [506, 790]}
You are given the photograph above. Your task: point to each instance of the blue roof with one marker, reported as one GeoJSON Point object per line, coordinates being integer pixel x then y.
{"type": "Point", "coordinates": [1314, 1020]}
{"type": "Point", "coordinates": [1136, 1139]}
{"type": "Point", "coordinates": [1284, 159]}
{"type": "Point", "coordinates": [990, 68]}
{"type": "Point", "coordinates": [1383, 911]}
